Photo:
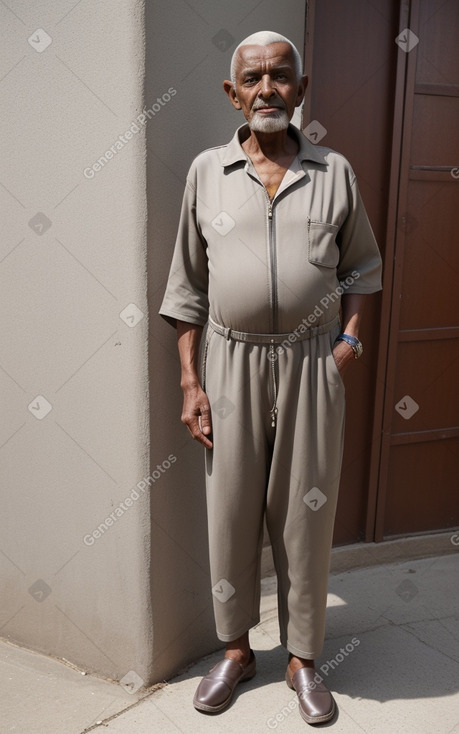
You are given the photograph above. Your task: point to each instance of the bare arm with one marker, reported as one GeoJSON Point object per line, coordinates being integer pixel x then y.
{"type": "Point", "coordinates": [352, 305]}
{"type": "Point", "coordinates": [196, 408]}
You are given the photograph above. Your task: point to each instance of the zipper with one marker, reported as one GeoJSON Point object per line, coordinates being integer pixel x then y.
{"type": "Point", "coordinates": [272, 254]}
{"type": "Point", "coordinates": [274, 306]}
{"type": "Point", "coordinates": [273, 263]}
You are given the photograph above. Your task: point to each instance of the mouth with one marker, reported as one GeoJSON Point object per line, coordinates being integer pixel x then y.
{"type": "Point", "coordinates": [267, 110]}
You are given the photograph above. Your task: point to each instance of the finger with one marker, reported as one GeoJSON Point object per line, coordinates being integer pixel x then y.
{"type": "Point", "coordinates": [206, 421]}
{"type": "Point", "coordinates": [206, 442]}
{"type": "Point", "coordinates": [341, 356]}
{"type": "Point", "coordinates": [195, 430]}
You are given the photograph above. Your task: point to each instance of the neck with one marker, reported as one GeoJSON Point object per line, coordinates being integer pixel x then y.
{"type": "Point", "coordinates": [270, 145]}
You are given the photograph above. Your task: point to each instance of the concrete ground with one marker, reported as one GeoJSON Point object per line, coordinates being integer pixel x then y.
{"type": "Point", "coordinates": [391, 658]}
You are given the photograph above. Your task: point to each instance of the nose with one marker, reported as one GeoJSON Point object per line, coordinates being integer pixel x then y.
{"type": "Point", "coordinates": [266, 86]}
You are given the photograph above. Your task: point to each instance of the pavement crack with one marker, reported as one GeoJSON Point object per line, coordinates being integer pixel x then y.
{"type": "Point", "coordinates": [156, 687]}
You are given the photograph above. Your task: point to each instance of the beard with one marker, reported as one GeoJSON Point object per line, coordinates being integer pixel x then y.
{"type": "Point", "coordinates": [272, 123]}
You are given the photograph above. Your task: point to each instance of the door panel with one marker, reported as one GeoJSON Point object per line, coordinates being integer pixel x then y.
{"type": "Point", "coordinates": [439, 24]}
{"type": "Point", "coordinates": [430, 472]}
{"type": "Point", "coordinates": [435, 128]}
{"type": "Point", "coordinates": [427, 371]}
{"type": "Point", "coordinates": [430, 275]}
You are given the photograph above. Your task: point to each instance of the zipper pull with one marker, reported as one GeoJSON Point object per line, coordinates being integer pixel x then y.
{"type": "Point", "coordinates": [273, 417]}
{"type": "Point", "coordinates": [270, 210]}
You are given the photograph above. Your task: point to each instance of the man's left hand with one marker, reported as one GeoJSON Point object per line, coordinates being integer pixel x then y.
{"type": "Point", "coordinates": [342, 354]}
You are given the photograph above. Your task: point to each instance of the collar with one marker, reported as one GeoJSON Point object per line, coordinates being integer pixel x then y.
{"type": "Point", "coordinates": [306, 151]}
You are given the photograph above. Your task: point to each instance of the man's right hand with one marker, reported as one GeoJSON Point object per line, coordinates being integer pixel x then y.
{"type": "Point", "coordinates": [196, 407]}
{"type": "Point", "coordinates": [196, 414]}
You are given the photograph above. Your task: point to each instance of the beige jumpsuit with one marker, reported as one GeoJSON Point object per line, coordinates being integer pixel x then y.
{"type": "Point", "coordinates": [266, 277]}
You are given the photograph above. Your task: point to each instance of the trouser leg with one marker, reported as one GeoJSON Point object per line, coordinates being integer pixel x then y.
{"type": "Point", "coordinates": [237, 384]}
{"type": "Point", "coordinates": [303, 488]}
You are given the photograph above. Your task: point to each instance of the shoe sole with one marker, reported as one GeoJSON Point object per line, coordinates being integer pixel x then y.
{"type": "Point", "coordinates": [215, 709]}
{"type": "Point", "coordinates": [318, 719]}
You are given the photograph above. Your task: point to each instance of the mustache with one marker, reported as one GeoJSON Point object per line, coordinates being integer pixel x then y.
{"type": "Point", "coordinates": [261, 105]}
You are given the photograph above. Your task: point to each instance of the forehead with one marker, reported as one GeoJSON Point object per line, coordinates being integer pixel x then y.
{"type": "Point", "coordinates": [273, 54]}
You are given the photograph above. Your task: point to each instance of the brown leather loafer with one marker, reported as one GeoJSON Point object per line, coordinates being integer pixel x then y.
{"type": "Point", "coordinates": [316, 702]}
{"type": "Point", "coordinates": [216, 689]}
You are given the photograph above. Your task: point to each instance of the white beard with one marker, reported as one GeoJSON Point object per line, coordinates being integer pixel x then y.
{"type": "Point", "coordinates": [272, 123]}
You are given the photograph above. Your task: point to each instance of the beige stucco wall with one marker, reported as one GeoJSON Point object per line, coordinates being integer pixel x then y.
{"type": "Point", "coordinates": [80, 244]}
{"type": "Point", "coordinates": [73, 257]}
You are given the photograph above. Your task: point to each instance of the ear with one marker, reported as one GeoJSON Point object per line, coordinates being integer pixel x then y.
{"type": "Point", "coordinates": [231, 92]}
{"type": "Point", "coordinates": [301, 90]}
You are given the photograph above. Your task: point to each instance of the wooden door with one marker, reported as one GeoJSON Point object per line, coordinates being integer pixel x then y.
{"type": "Point", "coordinates": [384, 84]}
{"type": "Point", "coordinates": [417, 468]}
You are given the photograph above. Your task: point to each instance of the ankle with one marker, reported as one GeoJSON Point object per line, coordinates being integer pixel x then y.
{"type": "Point", "coordinates": [295, 663]}
{"type": "Point", "coordinates": [242, 656]}
{"type": "Point", "coordinates": [238, 650]}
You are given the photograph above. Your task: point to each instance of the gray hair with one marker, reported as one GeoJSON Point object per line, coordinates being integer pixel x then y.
{"type": "Point", "coordinates": [264, 38]}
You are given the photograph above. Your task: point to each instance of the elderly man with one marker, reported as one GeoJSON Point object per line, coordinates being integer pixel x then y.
{"type": "Point", "coordinates": [273, 244]}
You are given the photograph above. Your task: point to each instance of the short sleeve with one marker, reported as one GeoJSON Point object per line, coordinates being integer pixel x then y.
{"type": "Point", "coordinates": [360, 259]}
{"type": "Point", "coordinates": [186, 296]}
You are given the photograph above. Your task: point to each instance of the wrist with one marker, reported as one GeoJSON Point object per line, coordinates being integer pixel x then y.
{"type": "Point", "coordinates": [189, 382]}
{"type": "Point", "coordinates": [352, 341]}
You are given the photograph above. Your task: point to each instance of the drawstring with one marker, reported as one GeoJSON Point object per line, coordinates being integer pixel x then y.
{"type": "Point", "coordinates": [272, 359]}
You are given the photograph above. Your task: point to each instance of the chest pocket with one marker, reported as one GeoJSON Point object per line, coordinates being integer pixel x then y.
{"type": "Point", "coordinates": [322, 247]}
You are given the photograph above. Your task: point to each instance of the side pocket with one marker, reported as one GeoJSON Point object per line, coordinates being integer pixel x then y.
{"type": "Point", "coordinates": [322, 247]}
{"type": "Point", "coordinates": [336, 370]}
{"type": "Point", "coordinates": [209, 333]}
{"type": "Point", "coordinates": [333, 364]}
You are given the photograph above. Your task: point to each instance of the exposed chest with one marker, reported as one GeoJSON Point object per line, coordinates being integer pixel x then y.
{"type": "Point", "coordinates": [272, 173]}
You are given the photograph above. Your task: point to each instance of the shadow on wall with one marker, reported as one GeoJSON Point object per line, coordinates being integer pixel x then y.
{"type": "Point", "coordinates": [189, 48]}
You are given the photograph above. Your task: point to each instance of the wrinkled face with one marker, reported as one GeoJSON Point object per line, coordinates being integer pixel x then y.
{"type": "Point", "coordinates": [267, 89]}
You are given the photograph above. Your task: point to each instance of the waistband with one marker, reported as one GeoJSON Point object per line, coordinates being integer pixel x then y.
{"type": "Point", "coordinates": [244, 336]}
